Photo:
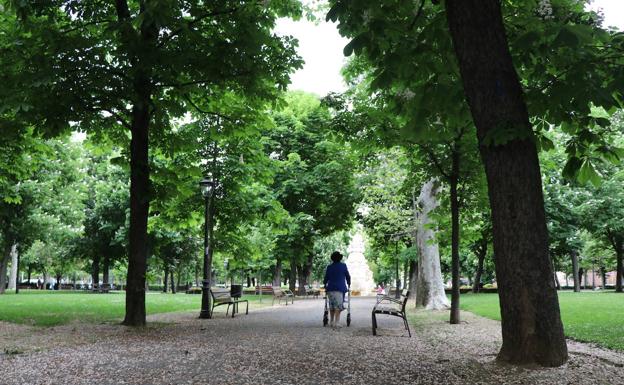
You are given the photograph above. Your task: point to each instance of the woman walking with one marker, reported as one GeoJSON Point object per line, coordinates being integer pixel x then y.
{"type": "Point", "coordinates": [337, 280]}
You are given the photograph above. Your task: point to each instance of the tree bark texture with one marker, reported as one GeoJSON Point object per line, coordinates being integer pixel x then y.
{"type": "Point", "coordinates": [454, 180]}
{"type": "Point", "coordinates": [531, 324]}
{"type": "Point", "coordinates": [413, 279]}
{"type": "Point", "coordinates": [617, 241]}
{"type": "Point", "coordinates": [277, 273]}
{"type": "Point", "coordinates": [13, 271]}
{"type": "Point", "coordinates": [4, 262]}
{"type": "Point", "coordinates": [575, 271]}
{"type": "Point", "coordinates": [165, 279]}
{"type": "Point", "coordinates": [95, 271]}
{"type": "Point", "coordinates": [293, 274]}
{"type": "Point", "coordinates": [430, 288]}
{"type": "Point", "coordinates": [106, 270]}
{"type": "Point", "coordinates": [172, 279]}
{"type": "Point", "coordinates": [139, 209]}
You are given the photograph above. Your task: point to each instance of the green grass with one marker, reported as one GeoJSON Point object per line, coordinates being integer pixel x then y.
{"type": "Point", "coordinates": [587, 316]}
{"type": "Point", "coordinates": [57, 308]}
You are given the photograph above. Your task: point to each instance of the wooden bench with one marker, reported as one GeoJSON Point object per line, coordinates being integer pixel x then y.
{"type": "Point", "coordinates": [285, 294]}
{"type": "Point", "coordinates": [391, 306]}
{"type": "Point", "coordinates": [222, 296]}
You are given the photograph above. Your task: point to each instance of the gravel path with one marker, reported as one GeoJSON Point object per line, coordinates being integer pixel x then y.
{"type": "Point", "coordinates": [283, 345]}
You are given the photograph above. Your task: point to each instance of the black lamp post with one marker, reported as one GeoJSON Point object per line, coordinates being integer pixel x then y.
{"type": "Point", "coordinates": [207, 187]}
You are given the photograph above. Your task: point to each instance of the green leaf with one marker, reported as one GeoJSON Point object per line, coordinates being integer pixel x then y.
{"type": "Point", "coordinates": [588, 172]}
{"type": "Point", "coordinates": [571, 168]}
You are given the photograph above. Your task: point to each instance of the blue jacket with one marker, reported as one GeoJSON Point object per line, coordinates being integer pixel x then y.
{"type": "Point", "coordinates": [335, 277]}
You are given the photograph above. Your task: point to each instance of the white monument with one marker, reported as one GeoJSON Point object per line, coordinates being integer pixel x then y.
{"type": "Point", "coordinates": [361, 274]}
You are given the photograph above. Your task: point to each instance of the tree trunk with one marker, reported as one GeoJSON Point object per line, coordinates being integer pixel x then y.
{"type": "Point", "coordinates": [476, 287]}
{"type": "Point", "coordinates": [106, 269]}
{"type": "Point", "coordinates": [4, 261]}
{"type": "Point", "coordinates": [405, 274]}
{"type": "Point", "coordinates": [430, 288]}
{"type": "Point", "coordinates": [139, 164]}
{"type": "Point", "coordinates": [413, 279]}
{"type": "Point", "coordinates": [248, 281]}
{"type": "Point", "coordinates": [166, 279]}
{"type": "Point", "coordinates": [302, 273]}
{"type": "Point", "coordinates": [95, 271]}
{"type": "Point", "coordinates": [454, 179]}
{"type": "Point", "coordinates": [139, 209]}
{"type": "Point", "coordinates": [58, 281]}
{"type": "Point", "coordinates": [556, 279]}
{"type": "Point", "coordinates": [173, 286]}
{"type": "Point", "coordinates": [575, 271]}
{"type": "Point", "coordinates": [397, 280]}
{"type": "Point", "coordinates": [17, 277]}
{"type": "Point", "coordinates": [292, 275]}
{"type": "Point", "coordinates": [13, 272]}
{"type": "Point", "coordinates": [277, 274]}
{"type": "Point", "coordinates": [531, 323]}
{"type": "Point", "coordinates": [620, 266]}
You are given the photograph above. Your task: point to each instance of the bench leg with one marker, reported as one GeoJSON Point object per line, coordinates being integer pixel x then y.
{"type": "Point", "coordinates": [247, 309]}
{"type": "Point", "coordinates": [407, 326]}
{"type": "Point", "coordinates": [374, 324]}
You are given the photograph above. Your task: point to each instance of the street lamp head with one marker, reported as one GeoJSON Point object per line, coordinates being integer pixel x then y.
{"type": "Point", "coordinates": [206, 186]}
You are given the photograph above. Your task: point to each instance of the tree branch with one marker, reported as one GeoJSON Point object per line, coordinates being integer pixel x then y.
{"type": "Point", "coordinates": [191, 23]}
{"type": "Point", "coordinates": [420, 9]}
{"type": "Point", "coordinates": [196, 107]}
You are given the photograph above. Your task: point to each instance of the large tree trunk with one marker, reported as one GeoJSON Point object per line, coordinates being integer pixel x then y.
{"type": "Point", "coordinates": [454, 180]}
{"type": "Point", "coordinates": [413, 279]}
{"type": "Point", "coordinates": [304, 274]}
{"type": "Point", "coordinates": [531, 324]}
{"type": "Point", "coordinates": [139, 209]}
{"type": "Point", "coordinates": [277, 274]}
{"type": "Point", "coordinates": [95, 271]}
{"type": "Point", "coordinates": [173, 286]}
{"type": "Point", "coordinates": [405, 274]}
{"type": "Point", "coordinates": [4, 261]}
{"type": "Point", "coordinates": [293, 275]}
{"type": "Point", "coordinates": [58, 281]}
{"type": "Point", "coordinates": [575, 271]}
{"type": "Point", "coordinates": [106, 270]}
{"type": "Point", "coordinates": [617, 242]}
{"type": "Point", "coordinates": [430, 288]}
{"type": "Point", "coordinates": [13, 272]}
{"type": "Point", "coordinates": [139, 164]}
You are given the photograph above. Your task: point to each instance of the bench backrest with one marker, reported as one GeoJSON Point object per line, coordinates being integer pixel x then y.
{"type": "Point", "coordinates": [220, 294]}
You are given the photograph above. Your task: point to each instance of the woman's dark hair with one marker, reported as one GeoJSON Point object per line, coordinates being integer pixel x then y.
{"type": "Point", "coordinates": [336, 256]}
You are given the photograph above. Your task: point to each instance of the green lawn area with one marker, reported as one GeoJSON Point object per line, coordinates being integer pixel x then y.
{"type": "Point", "coordinates": [57, 308]}
{"type": "Point", "coordinates": [587, 316]}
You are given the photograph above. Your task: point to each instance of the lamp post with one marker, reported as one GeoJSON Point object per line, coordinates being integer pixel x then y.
{"type": "Point", "coordinates": [207, 187]}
